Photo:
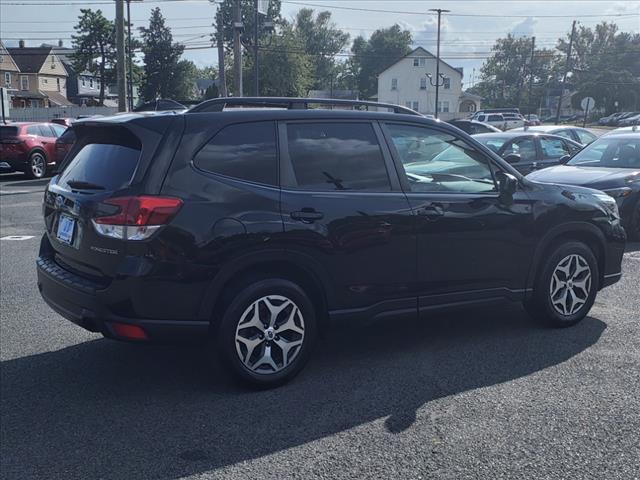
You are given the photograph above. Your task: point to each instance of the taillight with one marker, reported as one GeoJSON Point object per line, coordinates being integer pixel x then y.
{"type": "Point", "coordinates": [136, 218]}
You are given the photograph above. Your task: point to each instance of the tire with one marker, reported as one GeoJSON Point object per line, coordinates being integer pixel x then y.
{"type": "Point", "coordinates": [573, 265]}
{"type": "Point", "coordinates": [36, 165]}
{"type": "Point", "coordinates": [265, 357]}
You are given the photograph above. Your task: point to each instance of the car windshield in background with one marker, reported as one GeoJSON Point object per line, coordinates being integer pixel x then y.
{"type": "Point", "coordinates": [610, 152]}
{"type": "Point", "coordinates": [6, 132]}
{"type": "Point", "coordinates": [494, 143]}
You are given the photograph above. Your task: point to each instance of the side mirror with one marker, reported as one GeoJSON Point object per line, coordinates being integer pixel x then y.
{"type": "Point", "coordinates": [512, 158]}
{"type": "Point", "coordinates": [564, 159]}
{"type": "Point", "coordinates": [507, 186]}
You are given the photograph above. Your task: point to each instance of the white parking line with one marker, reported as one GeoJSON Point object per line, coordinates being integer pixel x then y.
{"type": "Point", "coordinates": [17, 237]}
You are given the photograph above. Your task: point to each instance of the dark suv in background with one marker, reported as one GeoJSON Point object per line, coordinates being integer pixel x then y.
{"type": "Point", "coordinates": [253, 227]}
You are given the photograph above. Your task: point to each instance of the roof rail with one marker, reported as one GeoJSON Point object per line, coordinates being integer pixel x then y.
{"type": "Point", "coordinates": [219, 104]}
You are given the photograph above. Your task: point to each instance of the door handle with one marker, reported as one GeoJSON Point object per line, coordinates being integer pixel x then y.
{"type": "Point", "coordinates": [307, 215]}
{"type": "Point", "coordinates": [431, 211]}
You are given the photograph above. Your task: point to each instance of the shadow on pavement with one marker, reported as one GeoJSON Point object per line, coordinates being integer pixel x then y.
{"type": "Point", "coordinates": [107, 409]}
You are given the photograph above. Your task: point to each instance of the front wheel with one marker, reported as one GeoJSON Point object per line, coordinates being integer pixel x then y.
{"type": "Point", "coordinates": [36, 165]}
{"type": "Point", "coordinates": [566, 287]}
{"type": "Point", "coordinates": [267, 333]}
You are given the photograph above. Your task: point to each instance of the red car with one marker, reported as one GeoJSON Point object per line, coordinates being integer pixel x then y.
{"type": "Point", "coordinates": [29, 147]}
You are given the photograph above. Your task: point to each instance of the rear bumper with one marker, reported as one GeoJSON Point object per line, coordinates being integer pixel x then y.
{"type": "Point", "coordinates": [80, 301]}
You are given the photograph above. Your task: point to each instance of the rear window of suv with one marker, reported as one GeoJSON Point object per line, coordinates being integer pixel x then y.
{"type": "Point", "coordinates": [246, 151]}
{"type": "Point", "coordinates": [7, 132]}
{"type": "Point", "coordinates": [107, 165]}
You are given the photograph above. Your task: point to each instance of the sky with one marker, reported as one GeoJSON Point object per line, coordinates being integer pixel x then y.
{"type": "Point", "coordinates": [468, 30]}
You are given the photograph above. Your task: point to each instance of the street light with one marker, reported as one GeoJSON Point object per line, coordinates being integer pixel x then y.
{"type": "Point", "coordinates": [437, 85]}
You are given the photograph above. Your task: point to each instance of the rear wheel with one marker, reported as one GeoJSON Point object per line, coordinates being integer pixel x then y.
{"type": "Point", "coordinates": [36, 165]}
{"type": "Point", "coordinates": [267, 332]}
{"type": "Point", "coordinates": [566, 287]}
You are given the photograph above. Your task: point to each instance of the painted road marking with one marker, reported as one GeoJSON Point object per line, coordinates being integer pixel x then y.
{"type": "Point", "coordinates": [17, 237]}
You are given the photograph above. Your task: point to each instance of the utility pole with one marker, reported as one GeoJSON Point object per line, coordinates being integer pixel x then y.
{"type": "Point", "coordinates": [222, 77]}
{"type": "Point", "coordinates": [120, 63]}
{"type": "Point", "coordinates": [440, 11]}
{"type": "Point", "coordinates": [533, 51]}
{"type": "Point", "coordinates": [130, 57]}
{"type": "Point", "coordinates": [256, 68]}
{"type": "Point", "coordinates": [566, 71]}
{"type": "Point", "coordinates": [237, 48]}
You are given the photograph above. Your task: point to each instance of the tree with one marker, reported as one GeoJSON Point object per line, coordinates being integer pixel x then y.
{"type": "Point", "coordinates": [161, 60]}
{"type": "Point", "coordinates": [94, 45]}
{"type": "Point", "coordinates": [322, 40]}
{"type": "Point", "coordinates": [371, 57]}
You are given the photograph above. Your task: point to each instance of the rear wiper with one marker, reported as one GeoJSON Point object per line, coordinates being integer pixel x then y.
{"type": "Point", "coordinates": [82, 185]}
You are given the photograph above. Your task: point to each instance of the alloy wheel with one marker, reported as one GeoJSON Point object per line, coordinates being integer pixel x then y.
{"type": "Point", "coordinates": [37, 165]}
{"type": "Point", "coordinates": [570, 285]}
{"type": "Point", "coordinates": [270, 334]}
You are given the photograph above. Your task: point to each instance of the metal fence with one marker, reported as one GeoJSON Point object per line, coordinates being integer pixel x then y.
{"type": "Point", "coordinates": [46, 114]}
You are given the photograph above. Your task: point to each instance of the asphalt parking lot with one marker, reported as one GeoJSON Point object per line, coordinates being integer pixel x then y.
{"type": "Point", "coordinates": [476, 394]}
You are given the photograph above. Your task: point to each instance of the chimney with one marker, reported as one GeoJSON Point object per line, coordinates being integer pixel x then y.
{"type": "Point", "coordinates": [21, 43]}
{"type": "Point", "coordinates": [60, 43]}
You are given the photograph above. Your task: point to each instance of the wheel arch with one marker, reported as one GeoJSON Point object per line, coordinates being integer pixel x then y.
{"type": "Point", "coordinates": [577, 231]}
{"type": "Point", "coordinates": [293, 266]}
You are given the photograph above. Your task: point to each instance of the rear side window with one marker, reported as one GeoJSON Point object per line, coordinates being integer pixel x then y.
{"type": "Point", "coordinates": [496, 118]}
{"type": "Point", "coordinates": [33, 130]}
{"type": "Point", "coordinates": [336, 156]}
{"type": "Point", "coordinates": [585, 137]}
{"type": "Point", "coordinates": [246, 151]}
{"type": "Point", "coordinates": [109, 166]}
{"type": "Point", "coordinates": [45, 131]}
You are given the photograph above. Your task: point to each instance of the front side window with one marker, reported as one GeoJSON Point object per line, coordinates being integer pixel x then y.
{"type": "Point", "coordinates": [245, 151]}
{"type": "Point", "coordinates": [394, 84]}
{"type": "Point", "coordinates": [553, 147]}
{"type": "Point", "coordinates": [33, 130]}
{"type": "Point", "coordinates": [525, 147]}
{"type": "Point", "coordinates": [585, 136]}
{"type": "Point", "coordinates": [439, 162]}
{"type": "Point", "coordinates": [336, 156]}
{"type": "Point", "coordinates": [565, 133]}
{"type": "Point", "coordinates": [610, 153]}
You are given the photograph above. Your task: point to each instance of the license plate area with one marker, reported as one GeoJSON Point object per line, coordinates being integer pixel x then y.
{"type": "Point", "coordinates": [66, 229]}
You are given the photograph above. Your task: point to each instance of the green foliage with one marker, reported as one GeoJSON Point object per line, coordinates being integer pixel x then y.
{"type": "Point", "coordinates": [247, 8]}
{"type": "Point", "coordinates": [94, 44]}
{"type": "Point", "coordinates": [322, 40]}
{"type": "Point", "coordinates": [164, 74]}
{"type": "Point", "coordinates": [371, 57]}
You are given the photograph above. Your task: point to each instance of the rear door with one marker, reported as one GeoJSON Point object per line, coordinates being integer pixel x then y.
{"type": "Point", "coordinates": [525, 147]}
{"type": "Point", "coordinates": [344, 210]}
{"type": "Point", "coordinates": [48, 139]}
{"type": "Point", "coordinates": [101, 168]}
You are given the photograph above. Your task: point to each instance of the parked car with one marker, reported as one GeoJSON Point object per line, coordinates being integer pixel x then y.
{"type": "Point", "coordinates": [251, 229]}
{"type": "Point", "coordinates": [472, 126]}
{"type": "Point", "coordinates": [616, 122]}
{"type": "Point", "coordinates": [629, 121]}
{"type": "Point", "coordinates": [65, 122]}
{"type": "Point", "coordinates": [494, 119]}
{"type": "Point", "coordinates": [28, 147]}
{"type": "Point", "coordinates": [513, 120]}
{"type": "Point", "coordinates": [528, 151]}
{"type": "Point", "coordinates": [610, 164]}
{"type": "Point", "coordinates": [609, 118]}
{"type": "Point", "coordinates": [532, 120]}
{"type": "Point", "coordinates": [577, 134]}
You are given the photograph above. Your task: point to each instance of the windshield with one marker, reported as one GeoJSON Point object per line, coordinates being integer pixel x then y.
{"type": "Point", "coordinates": [610, 152]}
{"type": "Point", "coordinates": [494, 143]}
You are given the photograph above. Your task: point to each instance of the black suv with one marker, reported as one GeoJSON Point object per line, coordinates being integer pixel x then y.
{"type": "Point", "coordinates": [253, 227]}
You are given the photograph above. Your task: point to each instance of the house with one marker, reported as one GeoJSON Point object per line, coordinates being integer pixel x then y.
{"type": "Point", "coordinates": [406, 82]}
{"type": "Point", "coordinates": [42, 78]}
{"type": "Point", "coordinates": [9, 71]}
{"type": "Point", "coordinates": [83, 88]}
{"type": "Point", "coordinates": [336, 94]}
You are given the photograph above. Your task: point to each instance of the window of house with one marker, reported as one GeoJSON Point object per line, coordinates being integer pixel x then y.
{"type": "Point", "coordinates": [423, 83]}
{"type": "Point", "coordinates": [394, 84]}
{"type": "Point", "coordinates": [91, 82]}
{"type": "Point", "coordinates": [336, 156]}
{"type": "Point", "coordinates": [419, 62]}
{"type": "Point", "coordinates": [443, 106]}
{"type": "Point", "coordinates": [7, 79]}
{"type": "Point", "coordinates": [84, 82]}
{"type": "Point", "coordinates": [24, 82]}
{"type": "Point", "coordinates": [44, 80]}
{"type": "Point", "coordinates": [246, 151]}
{"type": "Point", "coordinates": [415, 105]}
{"type": "Point", "coordinates": [446, 83]}
{"type": "Point", "coordinates": [58, 83]}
